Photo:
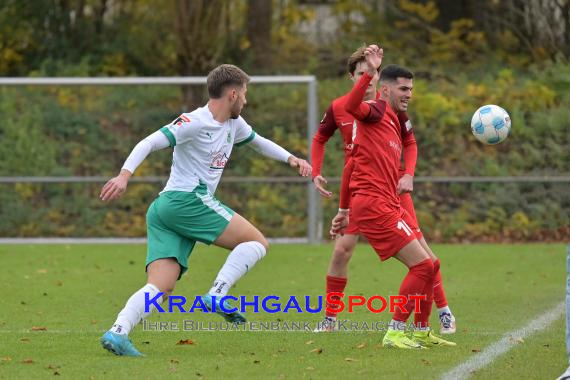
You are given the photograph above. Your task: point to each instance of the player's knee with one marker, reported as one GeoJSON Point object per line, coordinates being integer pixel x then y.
{"type": "Point", "coordinates": [263, 241]}
{"type": "Point", "coordinates": [259, 248]}
{"type": "Point", "coordinates": [342, 252]}
{"type": "Point", "coordinates": [424, 270]}
{"type": "Point", "coordinates": [436, 265]}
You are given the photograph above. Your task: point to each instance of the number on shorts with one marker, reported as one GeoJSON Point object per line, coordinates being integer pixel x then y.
{"type": "Point", "coordinates": [403, 226]}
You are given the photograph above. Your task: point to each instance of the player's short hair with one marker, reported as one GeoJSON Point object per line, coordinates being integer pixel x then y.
{"type": "Point", "coordinates": [357, 56]}
{"type": "Point", "coordinates": [225, 76]}
{"type": "Point", "coordinates": [391, 73]}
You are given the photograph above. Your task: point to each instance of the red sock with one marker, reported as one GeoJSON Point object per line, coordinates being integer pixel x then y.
{"type": "Point", "coordinates": [421, 318]}
{"type": "Point", "coordinates": [334, 284]}
{"type": "Point", "coordinates": [438, 291]}
{"type": "Point", "coordinates": [414, 283]}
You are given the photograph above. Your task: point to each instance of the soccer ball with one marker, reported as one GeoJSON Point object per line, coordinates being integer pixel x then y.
{"type": "Point", "coordinates": [491, 124]}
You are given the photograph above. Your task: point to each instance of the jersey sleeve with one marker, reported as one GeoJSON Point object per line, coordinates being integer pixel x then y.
{"type": "Point", "coordinates": [409, 142]}
{"type": "Point", "coordinates": [326, 130]}
{"type": "Point", "coordinates": [370, 111]}
{"type": "Point", "coordinates": [181, 130]}
{"type": "Point", "coordinates": [244, 132]}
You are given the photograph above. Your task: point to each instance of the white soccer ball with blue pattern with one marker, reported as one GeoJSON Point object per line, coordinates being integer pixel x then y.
{"type": "Point", "coordinates": [491, 124]}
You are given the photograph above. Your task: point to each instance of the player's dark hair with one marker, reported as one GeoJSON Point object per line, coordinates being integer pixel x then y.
{"type": "Point", "coordinates": [391, 73]}
{"type": "Point", "coordinates": [225, 76]}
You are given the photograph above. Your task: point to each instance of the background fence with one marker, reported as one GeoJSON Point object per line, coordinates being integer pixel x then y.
{"type": "Point", "coordinates": [85, 131]}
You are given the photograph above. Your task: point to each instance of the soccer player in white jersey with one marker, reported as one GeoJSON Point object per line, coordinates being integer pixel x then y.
{"type": "Point", "coordinates": [186, 211]}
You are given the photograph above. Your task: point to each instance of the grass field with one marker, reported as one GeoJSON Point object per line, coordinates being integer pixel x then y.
{"type": "Point", "coordinates": [72, 293]}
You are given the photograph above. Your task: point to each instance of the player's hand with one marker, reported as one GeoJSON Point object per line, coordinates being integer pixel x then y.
{"type": "Point", "coordinates": [339, 224]}
{"type": "Point", "coordinates": [115, 187]}
{"type": "Point", "coordinates": [405, 184]}
{"type": "Point", "coordinates": [305, 168]}
{"type": "Point", "coordinates": [320, 183]}
{"type": "Point", "coordinates": [373, 55]}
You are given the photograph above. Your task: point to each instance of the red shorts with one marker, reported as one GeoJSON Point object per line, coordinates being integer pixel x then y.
{"type": "Point", "coordinates": [352, 228]}
{"type": "Point", "coordinates": [408, 205]}
{"type": "Point", "coordinates": [387, 230]}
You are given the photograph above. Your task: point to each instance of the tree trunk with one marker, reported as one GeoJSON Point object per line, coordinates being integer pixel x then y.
{"type": "Point", "coordinates": [259, 16]}
{"type": "Point", "coordinates": [201, 35]}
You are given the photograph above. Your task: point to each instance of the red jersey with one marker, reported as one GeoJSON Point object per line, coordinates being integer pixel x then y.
{"type": "Point", "coordinates": [336, 117]}
{"type": "Point", "coordinates": [377, 146]}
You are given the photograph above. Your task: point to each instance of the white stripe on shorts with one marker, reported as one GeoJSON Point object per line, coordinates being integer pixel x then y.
{"type": "Point", "coordinates": [215, 206]}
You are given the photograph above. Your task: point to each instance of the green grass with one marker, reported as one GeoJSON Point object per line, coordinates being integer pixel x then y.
{"type": "Point", "coordinates": [75, 292]}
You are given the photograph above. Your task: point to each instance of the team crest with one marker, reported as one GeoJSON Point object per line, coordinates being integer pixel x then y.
{"type": "Point", "coordinates": [180, 120]}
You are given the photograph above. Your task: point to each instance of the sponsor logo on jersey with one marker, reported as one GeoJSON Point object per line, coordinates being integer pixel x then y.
{"type": "Point", "coordinates": [180, 120]}
{"type": "Point", "coordinates": [219, 160]}
{"type": "Point", "coordinates": [397, 147]}
{"type": "Point", "coordinates": [346, 123]}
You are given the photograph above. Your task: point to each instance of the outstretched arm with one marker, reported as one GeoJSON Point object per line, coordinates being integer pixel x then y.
{"type": "Point", "coordinates": [354, 105]}
{"type": "Point", "coordinates": [269, 149]}
{"type": "Point", "coordinates": [326, 129]}
{"type": "Point", "coordinates": [340, 221]}
{"type": "Point", "coordinates": [116, 186]}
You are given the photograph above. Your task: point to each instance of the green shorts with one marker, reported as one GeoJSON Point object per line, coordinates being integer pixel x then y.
{"type": "Point", "coordinates": [176, 220]}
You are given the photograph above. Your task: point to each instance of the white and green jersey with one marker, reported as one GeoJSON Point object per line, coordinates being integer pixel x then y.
{"type": "Point", "coordinates": [202, 147]}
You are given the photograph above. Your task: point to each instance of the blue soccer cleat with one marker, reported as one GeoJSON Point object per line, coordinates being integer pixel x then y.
{"type": "Point", "coordinates": [119, 344]}
{"type": "Point", "coordinates": [233, 317]}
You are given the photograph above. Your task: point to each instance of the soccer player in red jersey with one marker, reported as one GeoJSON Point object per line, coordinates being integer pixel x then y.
{"type": "Point", "coordinates": [335, 118]}
{"type": "Point", "coordinates": [373, 176]}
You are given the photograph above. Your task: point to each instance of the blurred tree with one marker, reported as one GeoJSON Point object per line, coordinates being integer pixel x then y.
{"type": "Point", "coordinates": [259, 17]}
{"type": "Point", "coordinates": [201, 33]}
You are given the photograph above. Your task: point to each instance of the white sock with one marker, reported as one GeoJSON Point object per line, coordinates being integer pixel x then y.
{"type": "Point", "coordinates": [444, 309]}
{"type": "Point", "coordinates": [133, 312]}
{"type": "Point", "coordinates": [239, 262]}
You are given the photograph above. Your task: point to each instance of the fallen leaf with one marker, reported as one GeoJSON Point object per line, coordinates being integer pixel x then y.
{"type": "Point", "coordinates": [317, 350]}
{"type": "Point", "coordinates": [426, 362]}
{"type": "Point", "coordinates": [58, 283]}
{"type": "Point", "coordinates": [25, 340]}
{"type": "Point", "coordinates": [6, 359]}
{"type": "Point", "coordinates": [309, 368]}
{"type": "Point", "coordinates": [185, 341]}
{"type": "Point", "coordinates": [350, 360]}
{"type": "Point", "coordinates": [476, 350]}
{"type": "Point", "coordinates": [174, 361]}
{"type": "Point", "coordinates": [256, 361]}
{"type": "Point", "coordinates": [41, 271]}
{"type": "Point", "coordinates": [27, 361]}
{"type": "Point", "coordinates": [56, 373]}
{"type": "Point", "coordinates": [310, 342]}
{"type": "Point", "coordinates": [38, 328]}
{"type": "Point", "coordinates": [94, 321]}
{"type": "Point", "coordinates": [361, 345]}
